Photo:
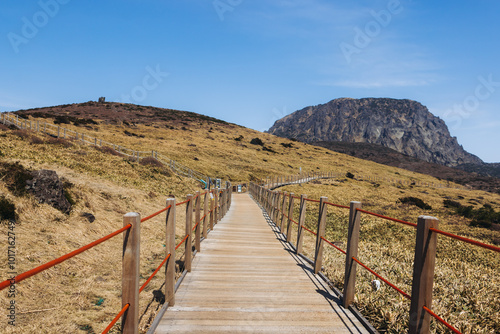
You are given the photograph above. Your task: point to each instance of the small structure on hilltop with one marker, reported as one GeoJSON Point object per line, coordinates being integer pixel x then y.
{"type": "Point", "coordinates": [102, 100]}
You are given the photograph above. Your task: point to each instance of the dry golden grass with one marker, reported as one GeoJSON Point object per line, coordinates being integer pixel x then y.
{"type": "Point", "coordinates": [64, 299]}
{"type": "Point", "coordinates": [466, 289]}
{"type": "Point", "coordinates": [82, 295]}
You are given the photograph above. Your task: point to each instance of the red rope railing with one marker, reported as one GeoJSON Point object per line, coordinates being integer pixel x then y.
{"type": "Point", "coordinates": [470, 241]}
{"type": "Point", "coordinates": [305, 228]}
{"type": "Point", "coordinates": [388, 218]}
{"type": "Point", "coordinates": [154, 273]}
{"type": "Point", "coordinates": [338, 205]}
{"type": "Point", "coordinates": [63, 258]}
{"type": "Point", "coordinates": [312, 200]}
{"type": "Point", "coordinates": [198, 223]}
{"type": "Point", "coordinates": [118, 316]}
{"type": "Point", "coordinates": [155, 214]}
{"type": "Point", "coordinates": [450, 327]}
{"type": "Point", "coordinates": [335, 246]}
{"type": "Point", "coordinates": [383, 279]}
{"type": "Point", "coordinates": [182, 241]}
{"type": "Point", "coordinates": [180, 203]}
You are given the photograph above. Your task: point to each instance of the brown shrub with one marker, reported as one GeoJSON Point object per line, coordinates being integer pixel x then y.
{"type": "Point", "coordinates": [27, 135]}
{"type": "Point", "coordinates": [60, 141]}
{"type": "Point", "coordinates": [109, 150]}
{"type": "Point", "coordinates": [150, 161]}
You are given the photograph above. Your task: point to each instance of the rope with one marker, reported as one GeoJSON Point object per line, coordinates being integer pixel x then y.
{"type": "Point", "coordinates": [383, 279]}
{"type": "Point", "coordinates": [441, 320]}
{"type": "Point", "coordinates": [470, 241]}
{"type": "Point", "coordinates": [180, 243]}
{"type": "Point", "coordinates": [182, 202]}
{"type": "Point", "coordinates": [63, 258]}
{"type": "Point", "coordinates": [198, 223]}
{"type": "Point", "coordinates": [112, 323]}
{"type": "Point", "coordinates": [155, 214]}
{"type": "Point", "coordinates": [388, 218]}
{"type": "Point", "coordinates": [154, 273]}
{"type": "Point", "coordinates": [305, 228]}
{"type": "Point", "coordinates": [338, 205]}
{"type": "Point", "coordinates": [328, 242]}
{"type": "Point", "coordinates": [312, 200]}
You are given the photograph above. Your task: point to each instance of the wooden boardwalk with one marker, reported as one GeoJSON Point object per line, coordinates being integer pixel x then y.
{"type": "Point", "coordinates": [246, 280]}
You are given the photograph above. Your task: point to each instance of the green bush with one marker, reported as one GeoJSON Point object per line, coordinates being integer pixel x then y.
{"type": "Point", "coordinates": [257, 141]}
{"type": "Point", "coordinates": [415, 201]}
{"type": "Point", "coordinates": [485, 216]}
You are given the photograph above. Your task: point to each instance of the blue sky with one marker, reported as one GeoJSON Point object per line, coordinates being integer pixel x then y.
{"type": "Point", "coordinates": [252, 62]}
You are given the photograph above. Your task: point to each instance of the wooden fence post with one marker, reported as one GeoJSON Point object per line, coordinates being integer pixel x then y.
{"type": "Point", "coordinates": [130, 272]}
{"type": "Point", "coordinates": [170, 249]}
{"type": "Point", "coordinates": [272, 199]}
{"type": "Point", "coordinates": [283, 209]}
{"type": "Point", "coordinates": [224, 202]}
{"type": "Point", "coordinates": [212, 215]}
{"type": "Point", "coordinates": [197, 216]}
{"type": "Point", "coordinates": [351, 251]}
{"type": "Point", "coordinates": [290, 217]}
{"type": "Point", "coordinates": [216, 206]}
{"type": "Point", "coordinates": [276, 208]}
{"type": "Point", "coordinates": [302, 218]}
{"type": "Point", "coordinates": [189, 226]}
{"type": "Point", "coordinates": [318, 255]}
{"type": "Point", "coordinates": [205, 213]}
{"type": "Point", "coordinates": [423, 274]}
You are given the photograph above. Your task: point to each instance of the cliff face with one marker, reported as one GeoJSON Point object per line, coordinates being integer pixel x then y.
{"type": "Point", "coordinates": [402, 125]}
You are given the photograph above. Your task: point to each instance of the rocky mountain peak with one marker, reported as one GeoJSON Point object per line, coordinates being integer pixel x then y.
{"type": "Point", "coordinates": [402, 125]}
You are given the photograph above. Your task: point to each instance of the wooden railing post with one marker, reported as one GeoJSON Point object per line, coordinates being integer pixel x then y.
{"type": "Point", "coordinates": [272, 200]}
{"type": "Point", "coordinates": [351, 251]}
{"type": "Point", "coordinates": [290, 217]}
{"type": "Point", "coordinates": [189, 226]}
{"type": "Point", "coordinates": [276, 208]}
{"type": "Point", "coordinates": [302, 218]}
{"type": "Point", "coordinates": [283, 209]}
{"type": "Point", "coordinates": [216, 206]}
{"type": "Point", "coordinates": [318, 255]}
{"type": "Point", "coordinates": [205, 213]}
{"type": "Point", "coordinates": [224, 202]}
{"type": "Point", "coordinates": [423, 274]}
{"type": "Point", "coordinates": [170, 249]}
{"type": "Point", "coordinates": [212, 213]}
{"type": "Point", "coordinates": [197, 217]}
{"type": "Point", "coordinates": [130, 273]}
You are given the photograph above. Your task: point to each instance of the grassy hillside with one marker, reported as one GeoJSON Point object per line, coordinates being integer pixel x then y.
{"type": "Point", "coordinates": [487, 179]}
{"type": "Point", "coordinates": [67, 298]}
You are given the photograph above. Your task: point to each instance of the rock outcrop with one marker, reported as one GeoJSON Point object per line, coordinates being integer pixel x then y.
{"type": "Point", "coordinates": [48, 188]}
{"type": "Point", "coordinates": [402, 125]}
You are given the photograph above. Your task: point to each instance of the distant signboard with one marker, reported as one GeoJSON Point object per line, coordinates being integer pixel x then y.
{"type": "Point", "coordinates": [239, 188]}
